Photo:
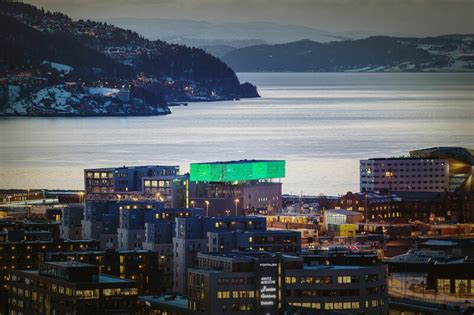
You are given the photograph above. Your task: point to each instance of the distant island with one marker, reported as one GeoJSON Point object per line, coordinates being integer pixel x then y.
{"type": "Point", "coordinates": [449, 53]}
{"type": "Point", "coordinates": [51, 65]}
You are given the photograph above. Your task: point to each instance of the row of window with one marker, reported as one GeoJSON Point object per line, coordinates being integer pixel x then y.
{"type": "Point", "coordinates": [80, 294]}
{"type": "Point", "coordinates": [99, 175]}
{"type": "Point", "coordinates": [339, 305]}
{"type": "Point", "coordinates": [369, 170]}
{"type": "Point", "coordinates": [235, 294]}
{"type": "Point", "coordinates": [461, 286]}
{"type": "Point", "coordinates": [404, 163]}
{"type": "Point", "coordinates": [329, 279]}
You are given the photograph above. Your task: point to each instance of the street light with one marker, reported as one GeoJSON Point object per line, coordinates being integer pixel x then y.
{"type": "Point", "coordinates": [236, 200]}
{"type": "Point", "coordinates": [207, 207]}
{"type": "Point", "coordinates": [193, 203]}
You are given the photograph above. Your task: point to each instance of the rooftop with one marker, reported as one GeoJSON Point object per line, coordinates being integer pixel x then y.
{"type": "Point", "coordinates": [343, 212]}
{"type": "Point", "coordinates": [167, 299]}
{"type": "Point", "coordinates": [124, 167]}
{"type": "Point", "coordinates": [464, 155]}
{"type": "Point", "coordinates": [401, 158]}
{"type": "Point", "coordinates": [332, 267]}
{"type": "Point", "coordinates": [238, 162]}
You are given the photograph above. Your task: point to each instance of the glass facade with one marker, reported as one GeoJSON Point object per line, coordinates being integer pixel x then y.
{"type": "Point", "coordinates": [236, 171]}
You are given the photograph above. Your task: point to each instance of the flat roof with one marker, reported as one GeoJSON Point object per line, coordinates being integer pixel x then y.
{"type": "Point", "coordinates": [111, 279]}
{"type": "Point", "coordinates": [343, 212]}
{"type": "Point", "coordinates": [124, 167]}
{"type": "Point", "coordinates": [69, 264]}
{"type": "Point", "coordinates": [401, 158]}
{"type": "Point", "coordinates": [334, 267]}
{"type": "Point", "coordinates": [167, 299]}
{"type": "Point", "coordinates": [238, 162]}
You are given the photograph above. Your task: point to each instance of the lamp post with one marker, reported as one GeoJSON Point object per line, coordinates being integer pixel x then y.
{"type": "Point", "coordinates": [236, 201]}
{"type": "Point", "coordinates": [207, 207]}
{"type": "Point", "coordinates": [193, 203]}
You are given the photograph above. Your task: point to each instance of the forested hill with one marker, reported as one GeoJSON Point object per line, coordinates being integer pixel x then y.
{"type": "Point", "coordinates": [102, 52]}
{"type": "Point", "coordinates": [374, 54]}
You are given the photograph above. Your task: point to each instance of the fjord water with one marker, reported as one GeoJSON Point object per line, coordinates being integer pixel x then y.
{"type": "Point", "coordinates": [320, 123]}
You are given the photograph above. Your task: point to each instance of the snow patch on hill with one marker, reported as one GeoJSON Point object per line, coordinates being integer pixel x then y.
{"type": "Point", "coordinates": [58, 66]}
{"type": "Point", "coordinates": [103, 91]}
{"type": "Point", "coordinates": [52, 99]}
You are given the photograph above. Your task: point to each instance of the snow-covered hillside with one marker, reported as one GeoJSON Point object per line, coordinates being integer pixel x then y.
{"type": "Point", "coordinates": [58, 100]}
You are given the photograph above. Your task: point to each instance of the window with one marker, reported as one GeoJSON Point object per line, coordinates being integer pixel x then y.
{"type": "Point", "coordinates": [290, 279]}
{"type": "Point", "coordinates": [460, 286]}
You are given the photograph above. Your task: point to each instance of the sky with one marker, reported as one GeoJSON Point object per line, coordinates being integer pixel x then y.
{"type": "Point", "coordinates": [411, 17]}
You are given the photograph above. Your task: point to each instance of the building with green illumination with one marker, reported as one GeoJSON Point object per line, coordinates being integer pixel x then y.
{"type": "Point", "coordinates": [237, 187]}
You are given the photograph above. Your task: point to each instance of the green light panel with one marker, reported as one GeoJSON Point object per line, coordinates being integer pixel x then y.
{"type": "Point", "coordinates": [241, 171]}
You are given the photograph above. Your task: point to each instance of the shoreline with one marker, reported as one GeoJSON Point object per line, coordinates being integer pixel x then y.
{"type": "Point", "coordinates": [165, 107]}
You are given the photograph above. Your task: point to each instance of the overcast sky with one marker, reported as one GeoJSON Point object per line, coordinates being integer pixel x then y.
{"type": "Point", "coordinates": [416, 17]}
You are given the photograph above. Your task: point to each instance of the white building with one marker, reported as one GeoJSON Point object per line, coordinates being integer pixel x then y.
{"type": "Point", "coordinates": [404, 174]}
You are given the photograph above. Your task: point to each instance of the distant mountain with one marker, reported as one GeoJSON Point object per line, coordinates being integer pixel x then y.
{"type": "Point", "coordinates": [200, 33]}
{"type": "Point", "coordinates": [374, 54]}
{"type": "Point", "coordinates": [220, 47]}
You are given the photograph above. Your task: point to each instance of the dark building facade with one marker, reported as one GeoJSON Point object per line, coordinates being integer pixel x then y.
{"type": "Point", "coordinates": [265, 283]}
{"type": "Point", "coordinates": [70, 288]}
{"type": "Point", "coordinates": [403, 206]}
{"type": "Point", "coordinates": [144, 267]}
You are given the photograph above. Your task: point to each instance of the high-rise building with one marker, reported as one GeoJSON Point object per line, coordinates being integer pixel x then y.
{"type": "Point", "coordinates": [237, 187]}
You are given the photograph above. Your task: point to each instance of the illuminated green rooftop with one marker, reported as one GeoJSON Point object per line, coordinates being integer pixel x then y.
{"type": "Point", "coordinates": [232, 171]}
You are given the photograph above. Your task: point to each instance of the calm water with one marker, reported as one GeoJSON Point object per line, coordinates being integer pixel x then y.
{"type": "Point", "coordinates": [321, 124]}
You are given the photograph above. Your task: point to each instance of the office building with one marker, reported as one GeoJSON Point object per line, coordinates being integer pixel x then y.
{"type": "Point", "coordinates": [404, 174]}
{"type": "Point", "coordinates": [266, 283]}
{"type": "Point", "coordinates": [236, 187]}
{"type": "Point", "coordinates": [70, 288]}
